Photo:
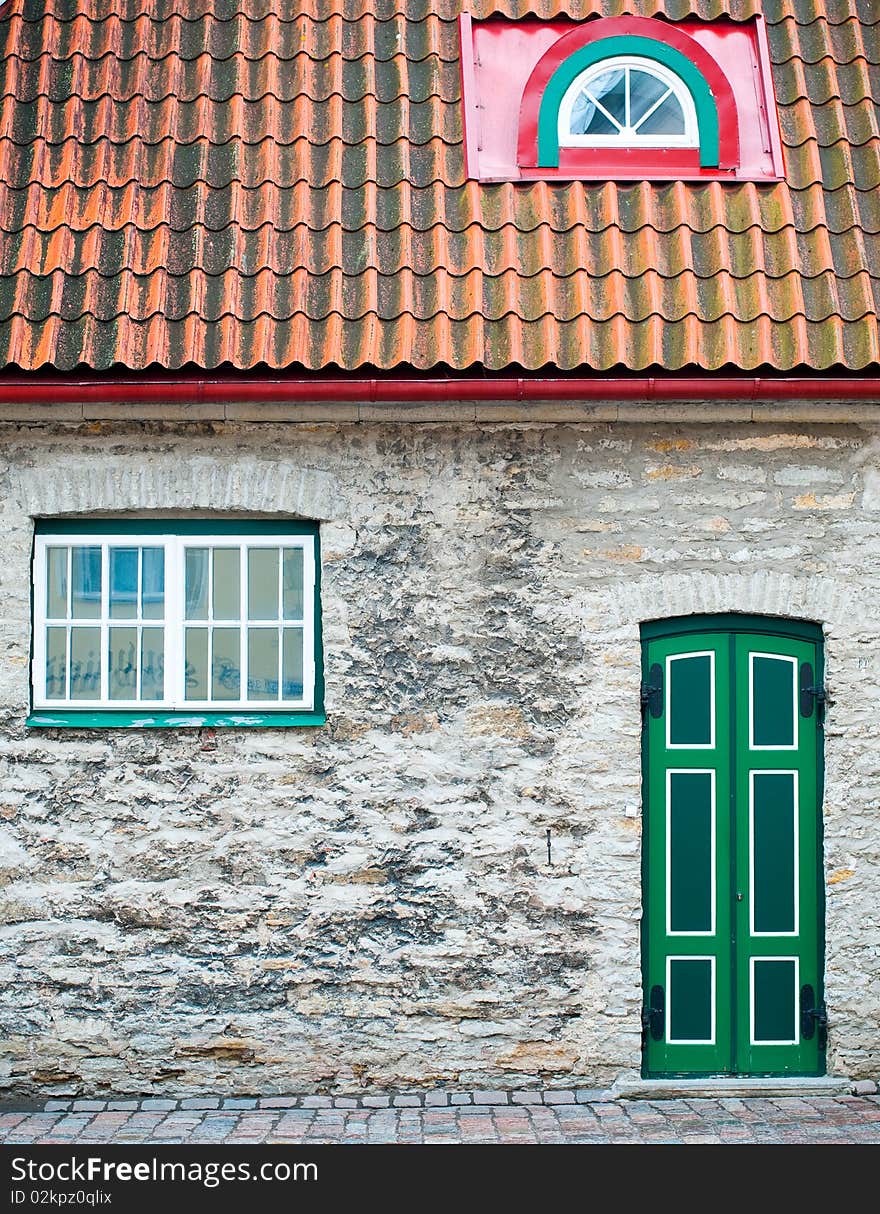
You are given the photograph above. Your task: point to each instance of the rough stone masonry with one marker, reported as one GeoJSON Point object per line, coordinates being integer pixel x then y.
{"type": "Point", "coordinates": [369, 904]}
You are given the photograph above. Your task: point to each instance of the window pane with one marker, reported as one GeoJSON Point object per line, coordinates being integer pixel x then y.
{"type": "Point", "coordinates": [86, 578]}
{"type": "Point", "coordinates": [196, 583]}
{"type": "Point", "coordinates": [123, 583]}
{"type": "Point", "coordinates": [667, 119]}
{"type": "Point", "coordinates": [644, 90]}
{"type": "Point", "coordinates": [122, 671]}
{"type": "Point", "coordinates": [292, 585]}
{"type": "Point", "coordinates": [262, 664]}
{"type": "Point", "coordinates": [56, 663]}
{"type": "Point", "coordinates": [262, 583]}
{"type": "Point", "coordinates": [227, 583]}
{"type": "Point", "coordinates": [196, 664]}
{"type": "Point", "coordinates": [610, 89]}
{"type": "Point", "coordinates": [588, 119]}
{"type": "Point", "coordinates": [152, 663]}
{"type": "Point", "coordinates": [153, 584]}
{"type": "Point", "coordinates": [85, 663]}
{"type": "Point", "coordinates": [226, 666]}
{"type": "Point", "coordinates": [292, 665]}
{"type": "Point", "coordinates": [56, 583]}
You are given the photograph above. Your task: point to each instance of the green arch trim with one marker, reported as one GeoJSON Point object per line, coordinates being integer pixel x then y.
{"type": "Point", "coordinates": [772, 625]}
{"type": "Point", "coordinates": [627, 44]}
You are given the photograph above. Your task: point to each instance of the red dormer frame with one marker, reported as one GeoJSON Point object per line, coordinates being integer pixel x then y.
{"type": "Point", "coordinates": [514, 74]}
{"type": "Point", "coordinates": [593, 41]}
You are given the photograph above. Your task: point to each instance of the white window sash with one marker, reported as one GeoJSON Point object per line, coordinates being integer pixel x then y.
{"type": "Point", "coordinates": [173, 622]}
{"type": "Point", "coordinates": [623, 139]}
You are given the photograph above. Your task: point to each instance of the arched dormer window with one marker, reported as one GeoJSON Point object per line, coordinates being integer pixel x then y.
{"type": "Point", "coordinates": [619, 99]}
{"type": "Point", "coordinates": [635, 72]}
{"type": "Point", "coordinates": [627, 101]}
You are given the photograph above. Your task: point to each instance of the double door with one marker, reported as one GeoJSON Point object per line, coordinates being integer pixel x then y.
{"type": "Point", "coordinates": [732, 939]}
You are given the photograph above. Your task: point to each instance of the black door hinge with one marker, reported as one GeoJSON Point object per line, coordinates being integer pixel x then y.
{"type": "Point", "coordinates": [652, 692]}
{"type": "Point", "coordinates": [814, 1017]}
{"type": "Point", "coordinates": [810, 693]}
{"type": "Point", "coordinates": [654, 1015]}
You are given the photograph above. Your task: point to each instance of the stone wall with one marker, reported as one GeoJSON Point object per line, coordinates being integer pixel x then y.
{"type": "Point", "coordinates": [370, 904]}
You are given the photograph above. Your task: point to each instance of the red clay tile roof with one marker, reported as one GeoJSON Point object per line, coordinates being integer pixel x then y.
{"type": "Point", "coordinates": [273, 183]}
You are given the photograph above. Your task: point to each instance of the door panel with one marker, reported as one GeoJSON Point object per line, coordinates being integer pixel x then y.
{"type": "Point", "coordinates": [777, 850]}
{"type": "Point", "coordinates": [731, 930]}
{"type": "Point", "coordinates": [687, 848]}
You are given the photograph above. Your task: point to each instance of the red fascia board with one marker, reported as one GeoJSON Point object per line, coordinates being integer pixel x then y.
{"type": "Point", "coordinates": [219, 390]}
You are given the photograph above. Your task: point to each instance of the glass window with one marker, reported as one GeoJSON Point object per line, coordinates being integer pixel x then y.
{"type": "Point", "coordinates": [177, 621]}
{"type": "Point", "coordinates": [627, 102]}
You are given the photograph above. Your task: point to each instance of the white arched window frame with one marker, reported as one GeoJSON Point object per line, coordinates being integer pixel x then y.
{"type": "Point", "coordinates": [629, 133]}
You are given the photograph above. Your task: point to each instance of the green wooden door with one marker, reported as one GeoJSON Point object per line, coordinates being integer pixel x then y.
{"type": "Point", "coordinates": [732, 929]}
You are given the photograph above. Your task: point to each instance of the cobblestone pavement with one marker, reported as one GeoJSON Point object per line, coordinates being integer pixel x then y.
{"type": "Point", "coordinates": [558, 1117]}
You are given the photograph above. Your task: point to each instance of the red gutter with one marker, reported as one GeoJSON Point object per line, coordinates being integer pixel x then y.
{"type": "Point", "coordinates": [696, 388]}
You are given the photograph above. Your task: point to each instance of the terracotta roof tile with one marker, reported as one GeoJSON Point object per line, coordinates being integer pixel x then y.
{"type": "Point", "coordinates": [254, 183]}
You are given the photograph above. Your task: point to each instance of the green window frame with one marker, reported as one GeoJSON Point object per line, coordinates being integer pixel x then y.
{"type": "Point", "coordinates": [147, 623]}
{"type": "Point", "coordinates": [606, 51]}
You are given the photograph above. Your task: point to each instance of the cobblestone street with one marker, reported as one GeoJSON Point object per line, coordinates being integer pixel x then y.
{"type": "Point", "coordinates": [578, 1118]}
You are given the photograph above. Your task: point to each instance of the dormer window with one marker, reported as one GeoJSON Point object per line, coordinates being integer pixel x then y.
{"type": "Point", "coordinates": [619, 99]}
{"type": "Point", "coordinates": [627, 101]}
{"type": "Point", "coordinates": [646, 82]}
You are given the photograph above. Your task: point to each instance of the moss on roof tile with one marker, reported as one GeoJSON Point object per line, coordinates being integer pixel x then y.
{"type": "Point", "coordinates": [196, 181]}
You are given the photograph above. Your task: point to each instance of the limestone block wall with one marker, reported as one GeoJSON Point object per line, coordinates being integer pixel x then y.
{"type": "Point", "coordinates": [370, 903]}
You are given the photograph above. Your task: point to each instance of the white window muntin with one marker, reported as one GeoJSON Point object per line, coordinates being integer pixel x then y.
{"type": "Point", "coordinates": [173, 623]}
{"type": "Point", "coordinates": [671, 771]}
{"type": "Point", "coordinates": [776, 771]}
{"type": "Point", "coordinates": [670, 1040]}
{"type": "Point", "coordinates": [795, 716]}
{"type": "Point", "coordinates": [753, 961]}
{"type": "Point", "coordinates": [676, 657]}
{"type": "Point", "coordinates": [245, 624]}
{"type": "Point", "coordinates": [629, 137]}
